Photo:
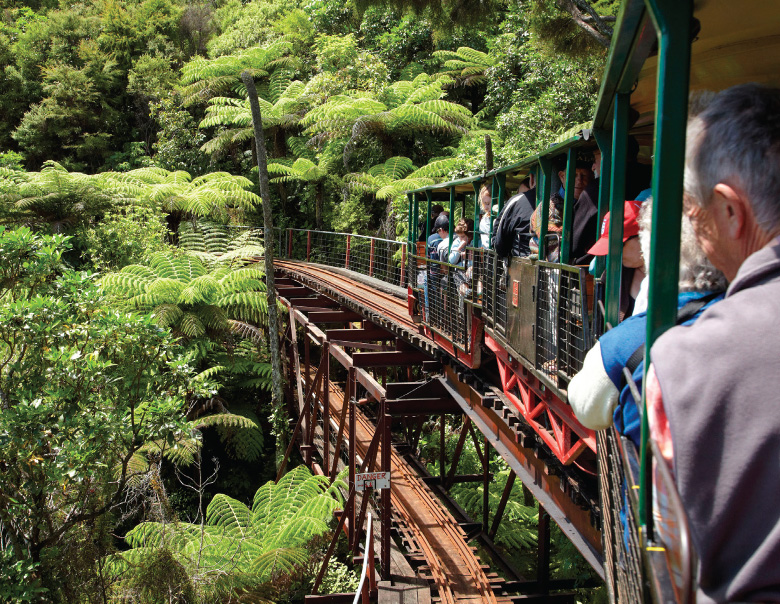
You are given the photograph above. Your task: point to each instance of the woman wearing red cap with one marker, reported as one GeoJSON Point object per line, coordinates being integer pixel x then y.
{"type": "Point", "coordinates": [633, 263]}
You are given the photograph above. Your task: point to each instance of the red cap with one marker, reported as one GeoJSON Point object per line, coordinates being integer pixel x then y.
{"type": "Point", "coordinates": [630, 228]}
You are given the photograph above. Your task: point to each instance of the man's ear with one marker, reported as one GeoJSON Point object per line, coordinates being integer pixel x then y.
{"type": "Point", "coordinates": [562, 177]}
{"type": "Point", "coordinates": [732, 210]}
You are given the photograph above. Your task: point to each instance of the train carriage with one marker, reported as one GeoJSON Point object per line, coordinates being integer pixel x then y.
{"type": "Point", "coordinates": [531, 320]}
{"type": "Point", "coordinates": [539, 318]}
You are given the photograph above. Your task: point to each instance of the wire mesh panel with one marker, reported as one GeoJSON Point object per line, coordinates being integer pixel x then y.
{"type": "Point", "coordinates": [447, 301]}
{"type": "Point", "coordinates": [573, 326]}
{"type": "Point", "coordinates": [546, 320]}
{"type": "Point", "coordinates": [494, 291]}
{"type": "Point", "coordinates": [562, 323]}
{"type": "Point", "coordinates": [478, 258]}
{"type": "Point", "coordinates": [371, 256]}
{"type": "Point", "coordinates": [622, 547]}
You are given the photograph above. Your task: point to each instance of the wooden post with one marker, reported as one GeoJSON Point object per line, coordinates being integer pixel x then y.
{"type": "Point", "coordinates": [371, 259]}
{"type": "Point", "coordinates": [308, 245]}
{"type": "Point", "coordinates": [442, 453]}
{"type": "Point", "coordinates": [349, 245]}
{"type": "Point", "coordinates": [464, 432]}
{"type": "Point", "coordinates": [277, 396]}
{"type": "Point", "coordinates": [543, 552]}
{"type": "Point", "coordinates": [352, 460]}
{"type": "Point", "coordinates": [385, 493]}
{"type": "Point", "coordinates": [486, 486]}
{"type": "Point", "coordinates": [326, 406]}
{"type": "Point", "coordinates": [510, 482]}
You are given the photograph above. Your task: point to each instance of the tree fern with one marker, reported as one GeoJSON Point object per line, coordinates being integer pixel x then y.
{"type": "Point", "coordinates": [467, 66]}
{"type": "Point", "coordinates": [238, 549]}
{"type": "Point", "coordinates": [182, 294]}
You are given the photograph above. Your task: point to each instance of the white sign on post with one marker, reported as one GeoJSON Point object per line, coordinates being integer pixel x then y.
{"type": "Point", "coordinates": [372, 480]}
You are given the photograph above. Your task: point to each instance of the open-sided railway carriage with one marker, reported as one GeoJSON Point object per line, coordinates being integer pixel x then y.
{"type": "Point", "coordinates": [535, 318]}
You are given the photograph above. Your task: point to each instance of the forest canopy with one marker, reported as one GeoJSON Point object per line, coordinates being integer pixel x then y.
{"type": "Point", "coordinates": [345, 85]}
{"type": "Point", "coordinates": [134, 339]}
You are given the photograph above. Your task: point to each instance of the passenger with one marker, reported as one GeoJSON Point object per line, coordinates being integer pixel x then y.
{"type": "Point", "coordinates": [441, 229]}
{"type": "Point", "coordinates": [431, 277]}
{"type": "Point", "coordinates": [633, 264]}
{"type": "Point", "coordinates": [554, 227]}
{"type": "Point", "coordinates": [583, 175]}
{"type": "Point", "coordinates": [459, 257]}
{"type": "Point", "coordinates": [423, 226]}
{"type": "Point", "coordinates": [598, 394]}
{"type": "Point", "coordinates": [712, 389]}
{"type": "Point", "coordinates": [463, 232]}
{"type": "Point", "coordinates": [512, 232]}
{"type": "Point", "coordinates": [584, 231]}
{"type": "Point", "coordinates": [485, 200]}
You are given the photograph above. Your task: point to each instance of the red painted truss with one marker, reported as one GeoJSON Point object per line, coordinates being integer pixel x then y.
{"type": "Point", "coordinates": [551, 418]}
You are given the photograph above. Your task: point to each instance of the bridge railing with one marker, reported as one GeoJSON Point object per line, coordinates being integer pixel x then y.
{"type": "Point", "coordinates": [382, 259]}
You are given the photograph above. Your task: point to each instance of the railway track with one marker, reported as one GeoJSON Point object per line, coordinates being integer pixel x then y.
{"type": "Point", "coordinates": [357, 294]}
{"type": "Point", "coordinates": [451, 565]}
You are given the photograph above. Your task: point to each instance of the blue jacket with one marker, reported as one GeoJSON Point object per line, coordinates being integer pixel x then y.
{"type": "Point", "coordinates": [617, 346]}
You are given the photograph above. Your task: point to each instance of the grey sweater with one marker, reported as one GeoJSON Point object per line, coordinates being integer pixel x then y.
{"type": "Point", "coordinates": [720, 383]}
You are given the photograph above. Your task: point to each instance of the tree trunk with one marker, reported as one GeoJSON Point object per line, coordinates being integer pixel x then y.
{"type": "Point", "coordinates": [318, 207]}
{"type": "Point", "coordinates": [277, 396]}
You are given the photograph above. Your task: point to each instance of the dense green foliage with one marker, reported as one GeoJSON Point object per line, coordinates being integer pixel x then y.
{"type": "Point", "coordinates": [237, 549]}
{"type": "Point", "coordinates": [133, 353]}
{"type": "Point", "coordinates": [345, 85]}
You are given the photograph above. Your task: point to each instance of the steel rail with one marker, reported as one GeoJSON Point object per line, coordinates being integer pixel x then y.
{"type": "Point", "coordinates": [421, 511]}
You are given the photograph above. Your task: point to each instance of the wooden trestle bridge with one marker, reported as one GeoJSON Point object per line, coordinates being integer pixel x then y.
{"type": "Point", "coordinates": [348, 336]}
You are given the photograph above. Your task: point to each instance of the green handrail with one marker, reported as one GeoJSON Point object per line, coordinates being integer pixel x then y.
{"type": "Point", "coordinates": [672, 20]}
{"type": "Point", "coordinates": [616, 200]}
{"type": "Point", "coordinates": [568, 206]}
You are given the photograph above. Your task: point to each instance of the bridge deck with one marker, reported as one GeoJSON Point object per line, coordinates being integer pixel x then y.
{"type": "Point", "coordinates": [452, 564]}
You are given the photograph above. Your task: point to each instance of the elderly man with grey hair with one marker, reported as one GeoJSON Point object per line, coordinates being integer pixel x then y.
{"type": "Point", "coordinates": [599, 393]}
{"type": "Point", "coordinates": [712, 389]}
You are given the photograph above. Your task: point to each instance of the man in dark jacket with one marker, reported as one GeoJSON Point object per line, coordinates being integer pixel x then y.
{"type": "Point", "coordinates": [712, 391]}
{"type": "Point", "coordinates": [512, 232]}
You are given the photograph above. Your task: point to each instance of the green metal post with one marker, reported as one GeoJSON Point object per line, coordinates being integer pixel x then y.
{"type": "Point", "coordinates": [428, 224]}
{"type": "Point", "coordinates": [672, 21]}
{"type": "Point", "coordinates": [451, 221]}
{"type": "Point", "coordinates": [411, 236]}
{"type": "Point", "coordinates": [568, 206]}
{"type": "Point", "coordinates": [605, 146]}
{"type": "Point", "coordinates": [616, 200]}
{"type": "Point", "coordinates": [500, 180]}
{"type": "Point", "coordinates": [476, 185]}
{"type": "Point", "coordinates": [545, 167]}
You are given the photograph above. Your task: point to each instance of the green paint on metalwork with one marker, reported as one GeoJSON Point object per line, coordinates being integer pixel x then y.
{"type": "Point", "coordinates": [428, 224]}
{"type": "Point", "coordinates": [545, 185]}
{"type": "Point", "coordinates": [452, 219]}
{"type": "Point", "coordinates": [672, 20]}
{"type": "Point", "coordinates": [568, 206]}
{"type": "Point", "coordinates": [474, 243]}
{"type": "Point", "coordinates": [604, 141]}
{"type": "Point", "coordinates": [616, 200]}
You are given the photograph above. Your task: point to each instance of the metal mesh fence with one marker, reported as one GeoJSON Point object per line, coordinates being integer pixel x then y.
{"type": "Point", "coordinates": [478, 258]}
{"type": "Point", "coordinates": [381, 259]}
{"type": "Point", "coordinates": [622, 546]}
{"type": "Point", "coordinates": [573, 327]}
{"type": "Point", "coordinates": [448, 291]}
{"type": "Point", "coordinates": [546, 321]}
{"type": "Point", "coordinates": [562, 322]}
{"type": "Point", "coordinates": [494, 291]}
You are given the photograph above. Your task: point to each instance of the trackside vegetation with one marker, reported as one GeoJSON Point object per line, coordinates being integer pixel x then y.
{"type": "Point", "coordinates": [138, 442]}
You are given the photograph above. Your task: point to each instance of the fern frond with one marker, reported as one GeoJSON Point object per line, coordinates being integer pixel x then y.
{"type": "Point", "coordinates": [229, 514]}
